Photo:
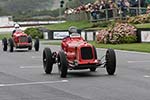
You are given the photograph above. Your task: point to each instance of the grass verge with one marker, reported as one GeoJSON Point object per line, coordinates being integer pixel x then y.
{"type": "Point", "coordinates": [146, 25]}
{"type": "Point", "coordinates": [139, 47]}
{"type": "Point", "coordinates": [88, 25]}
{"type": "Point", "coordinates": [5, 35]}
{"type": "Point", "coordinates": [66, 25]}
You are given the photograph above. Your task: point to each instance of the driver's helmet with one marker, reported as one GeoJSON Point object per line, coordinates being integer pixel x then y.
{"type": "Point", "coordinates": [73, 29]}
{"type": "Point", "coordinates": [17, 26]}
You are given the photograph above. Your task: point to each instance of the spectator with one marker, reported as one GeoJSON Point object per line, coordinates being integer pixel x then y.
{"type": "Point", "coordinates": [94, 14]}
{"type": "Point", "coordinates": [133, 3]}
{"type": "Point", "coordinates": [123, 4]}
{"type": "Point", "coordinates": [148, 9]}
{"type": "Point", "coordinates": [96, 9]}
{"type": "Point", "coordinates": [111, 9]}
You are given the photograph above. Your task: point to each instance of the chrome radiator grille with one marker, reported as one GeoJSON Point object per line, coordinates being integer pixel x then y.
{"type": "Point", "coordinates": [23, 39]}
{"type": "Point", "coordinates": [86, 53]}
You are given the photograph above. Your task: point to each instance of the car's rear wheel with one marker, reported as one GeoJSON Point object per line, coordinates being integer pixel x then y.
{"type": "Point", "coordinates": [11, 45]}
{"type": "Point", "coordinates": [62, 64]}
{"type": "Point", "coordinates": [30, 41]}
{"type": "Point", "coordinates": [4, 41]}
{"type": "Point", "coordinates": [36, 44]}
{"type": "Point", "coordinates": [47, 60]}
{"type": "Point", "coordinates": [110, 61]}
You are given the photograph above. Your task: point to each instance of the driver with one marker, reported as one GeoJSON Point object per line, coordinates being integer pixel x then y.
{"type": "Point", "coordinates": [73, 31]}
{"type": "Point", "coordinates": [17, 28]}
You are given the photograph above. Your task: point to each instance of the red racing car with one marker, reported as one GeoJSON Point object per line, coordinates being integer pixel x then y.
{"type": "Point", "coordinates": [20, 40]}
{"type": "Point", "coordinates": [76, 54]}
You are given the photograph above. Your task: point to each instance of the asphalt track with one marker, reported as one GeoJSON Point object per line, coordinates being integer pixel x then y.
{"type": "Point", "coordinates": [22, 78]}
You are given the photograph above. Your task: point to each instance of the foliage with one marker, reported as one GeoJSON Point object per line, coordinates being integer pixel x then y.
{"type": "Point", "coordinates": [42, 15]}
{"type": "Point", "coordinates": [5, 35]}
{"type": "Point", "coordinates": [101, 24]}
{"type": "Point", "coordinates": [2, 11]}
{"type": "Point", "coordinates": [140, 19]}
{"type": "Point", "coordinates": [120, 33]}
{"type": "Point", "coordinates": [34, 32]}
{"type": "Point", "coordinates": [25, 9]}
{"type": "Point", "coordinates": [13, 6]}
{"type": "Point", "coordinates": [22, 9]}
{"type": "Point", "coordinates": [76, 3]}
{"type": "Point", "coordinates": [129, 39]}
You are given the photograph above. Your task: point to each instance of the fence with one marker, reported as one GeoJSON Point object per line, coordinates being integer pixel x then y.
{"type": "Point", "coordinates": [143, 35]}
{"type": "Point", "coordinates": [89, 35]}
{"type": "Point", "coordinates": [107, 14]}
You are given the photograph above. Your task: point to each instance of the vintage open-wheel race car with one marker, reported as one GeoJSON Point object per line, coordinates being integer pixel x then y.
{"type": "Point", "coordinates": [20, 40]}
{"type": "Point", "coordinates": [76, 54]}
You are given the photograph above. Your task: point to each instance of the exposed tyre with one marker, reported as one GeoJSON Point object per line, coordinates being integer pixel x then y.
{"type": "Point", "coordinates": [30, 41]}
{"type": "Point", "coordinates": [36, 44]}
{"type": "Point", "coordinates": [11, 45]}
{"type": "Point", "coordinates": [110, 61]}
{"type": "Point", "coordinates": [95, 52]}
{"type": "Point", "coordinates": [47, 60]}
{"type": "Point", "coordinates": [92, 69]}
{"type": "Point", "coordinates": [4, 41]}
{"type": "Point", "coordinates": [62, 64]}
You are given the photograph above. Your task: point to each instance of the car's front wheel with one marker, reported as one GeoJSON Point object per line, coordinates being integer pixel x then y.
{"type": "Point", "coordinates": [36, 44]}
{"type": "Point", "coordinates": [11, 45]}
{"type": "Point", "coordinates": [47, 60]}
{"type": "Point", "coordinates": [110, 61]}
{"type": "Point", "coordinates": [62, 64]}
{"type": "Point", "coordinates": [95, 52]}
{"type": "Point", "coordinates": [30, 41]}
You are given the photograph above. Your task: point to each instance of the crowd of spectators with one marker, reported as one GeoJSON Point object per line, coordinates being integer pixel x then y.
{"type": "Point", "coordinates": [113, 7]}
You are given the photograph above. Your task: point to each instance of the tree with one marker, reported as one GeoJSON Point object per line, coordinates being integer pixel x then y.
{"type": "Point", "coordinates": [2, 12]}
{"type": "Point", "coordinates": [76, 3]}
{"type": "Point", "coordinates": [148, 1]}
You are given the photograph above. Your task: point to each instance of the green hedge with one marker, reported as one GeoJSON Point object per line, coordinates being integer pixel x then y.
{"type": "Point", "coordinates": [34, 32]}
{"type": "Point", "coordinates": [7, 35]}
{"type": "Point", "coordinates": [129, 39]}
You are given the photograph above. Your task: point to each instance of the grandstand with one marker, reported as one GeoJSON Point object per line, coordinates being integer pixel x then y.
{"type": "Point", "coordinates": [108, 9]}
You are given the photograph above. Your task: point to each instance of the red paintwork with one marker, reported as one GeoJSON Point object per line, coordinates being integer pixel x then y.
{"type": "Point", "coordinates": [72, 46]}
{"type": "Point", "coordinates": [16, 36]}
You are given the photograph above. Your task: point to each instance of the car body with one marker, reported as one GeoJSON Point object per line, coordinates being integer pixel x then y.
{"type": "Point", "coordinates": [80, 54]}
{"type": "Point", "coordinates": [21, 40]}
{"type": "Point", "coordinates": [76, 54]}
